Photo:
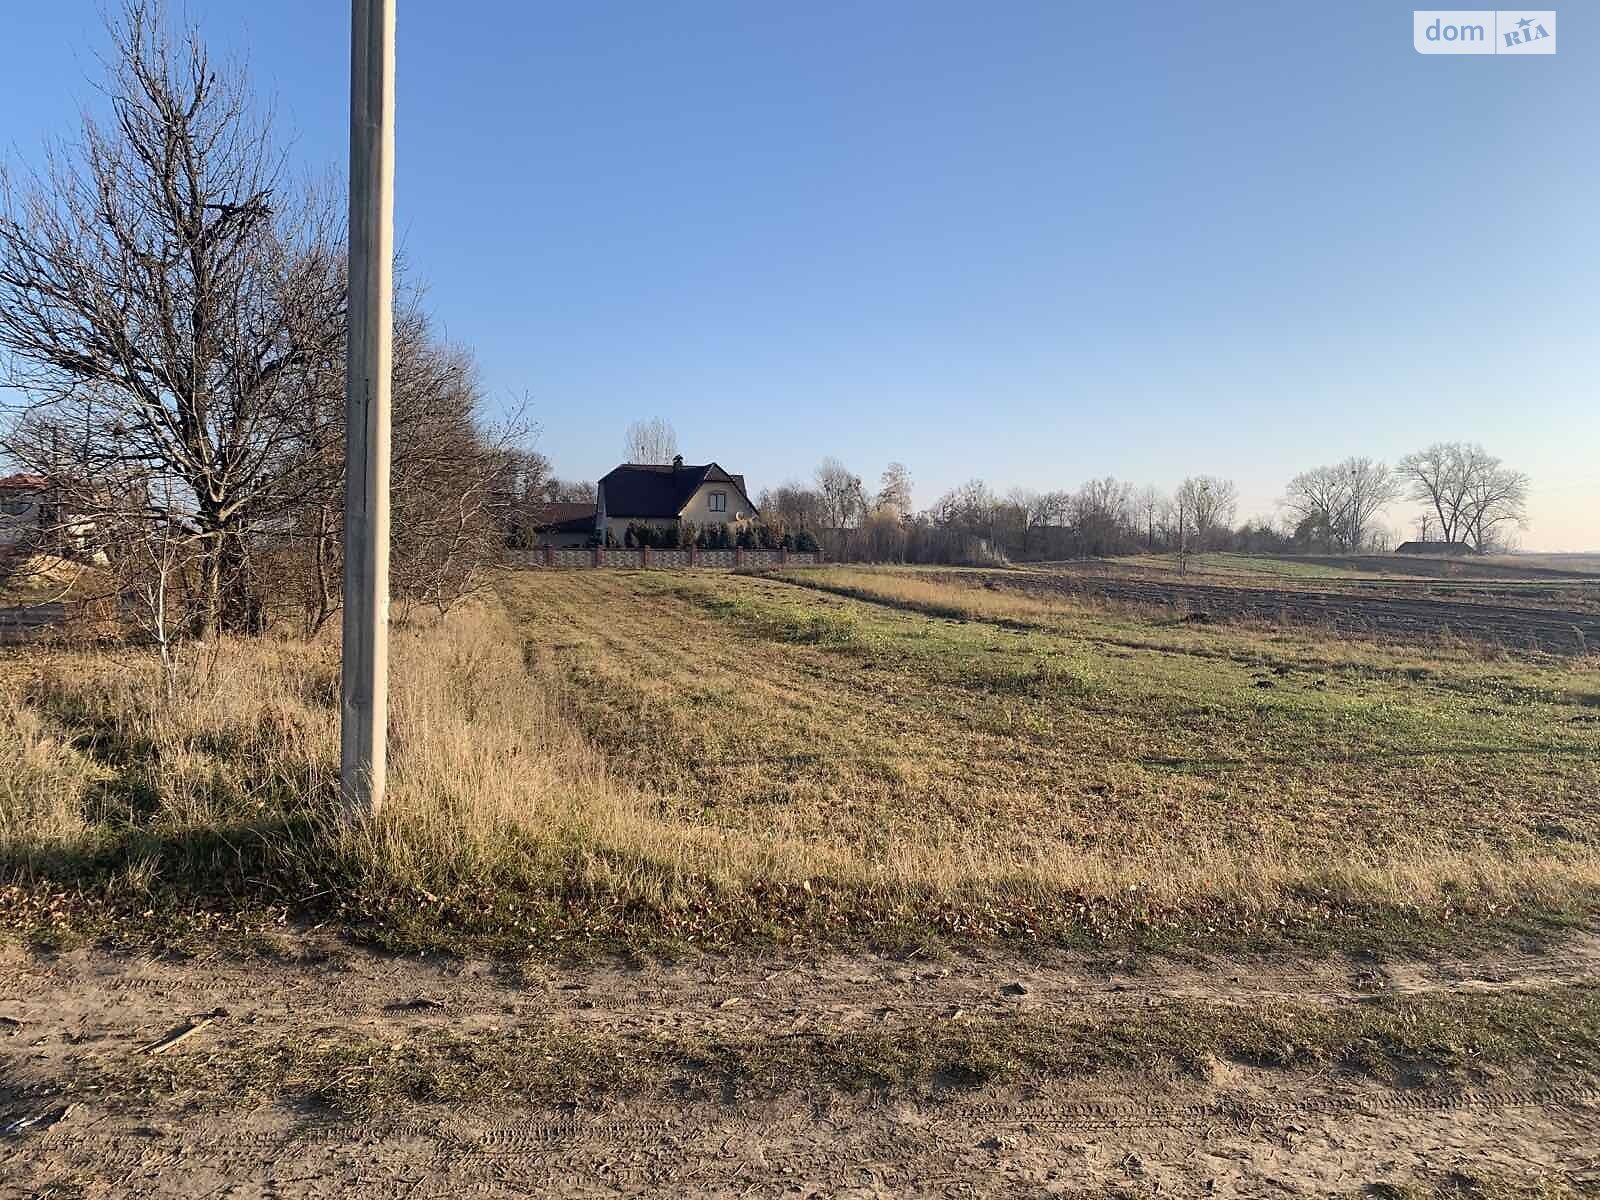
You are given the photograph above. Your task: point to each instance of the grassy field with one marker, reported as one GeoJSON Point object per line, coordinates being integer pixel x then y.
{"type": "Point", "coordinates": [656, 758]}
{"type": "Point", "coordinates": [1584, 564]}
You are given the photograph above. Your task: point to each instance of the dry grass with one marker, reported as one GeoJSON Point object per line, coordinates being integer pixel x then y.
{"type": "Point", "coordinates": [695, 758]}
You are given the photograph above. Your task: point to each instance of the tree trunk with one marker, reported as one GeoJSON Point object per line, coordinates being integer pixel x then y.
{"type": "Point", "coordinates": [208, 604]}
{"type": "Point", "coordinates": [227, 602]}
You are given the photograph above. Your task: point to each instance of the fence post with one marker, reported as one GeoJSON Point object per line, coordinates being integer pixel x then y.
{"type": "Point", "coordinates": [783, 555]}
{"type": "Point", "coordinates": [738, 556]}
{"type": "Point", "coordinates": [549, 554]}
{"type": "Point", "coordinates": [644, 556]}
{"type": "Point", "coordinates": [595, 558]}
{"type": "Point", "coordinates": [691, 554]}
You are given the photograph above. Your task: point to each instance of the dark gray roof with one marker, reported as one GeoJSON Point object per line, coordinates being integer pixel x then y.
{"type": "Point", "coordinates": [648, 490]}
{"type": "Point", "coordinates": [560, 516]}
{"type": "Point", "coordinates": [1433, 548]}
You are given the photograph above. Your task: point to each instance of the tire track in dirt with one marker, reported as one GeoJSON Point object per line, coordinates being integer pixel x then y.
{"type": "Point", "coordinates": [1046, 1145]}
{"type": "Point", "coordinates": [1242, 1133]}
{"type": "Point", "coordinates": [327, 980]}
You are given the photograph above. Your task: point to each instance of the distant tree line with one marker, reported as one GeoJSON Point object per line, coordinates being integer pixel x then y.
{"type": "Point", "coordinates": [973, 523]}
{"type": "Point", "coordinates": [1469, 497]}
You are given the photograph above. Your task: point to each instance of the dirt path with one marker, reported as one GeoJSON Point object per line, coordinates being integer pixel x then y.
{"type": "Point", "coordinates": [71, 1022]}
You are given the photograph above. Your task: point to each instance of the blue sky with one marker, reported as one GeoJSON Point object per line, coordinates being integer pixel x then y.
{"type": "Point", "coordinates": [1028, 242]}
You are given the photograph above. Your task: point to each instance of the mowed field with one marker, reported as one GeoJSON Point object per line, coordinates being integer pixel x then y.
{"type": "Point", "coordinates": [919, 730]}
{"type": "Point", "coordinates": [896, 757]}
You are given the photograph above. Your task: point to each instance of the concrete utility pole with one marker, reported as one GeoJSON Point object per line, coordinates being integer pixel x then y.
{"type": "Point", "coordinates": [364, 685]}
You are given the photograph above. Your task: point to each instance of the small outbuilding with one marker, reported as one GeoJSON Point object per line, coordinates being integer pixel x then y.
{"type": "Point", "coordinates": [563, 525]}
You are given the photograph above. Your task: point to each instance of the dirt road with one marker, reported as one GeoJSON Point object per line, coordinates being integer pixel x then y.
{"type": "Point", "coordinates": [88, 1108]}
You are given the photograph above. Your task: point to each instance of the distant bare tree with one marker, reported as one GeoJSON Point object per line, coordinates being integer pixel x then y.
{"type": "Point", "coordinates": [1343, 499]}
{"type": "Point", "coordinates": [844, 499]}
{"type": "Point", "coordinates": [1370, 488]}
{"type": "Point", "coordinates": [1147, 504]}
{"type": "Point", "coordinates": [1024, 510]}
{"type": "Point", "coordinates": [1471, 493]}
{"type": "Point", "coordinates": [1206, 504]}
{"type": "Point", "coordinates": [451, 509]}
{"type": "Point", "coordinates": [573, 491]}
{"type": "Point", "coordinates": [1102, 514]}
{"type": "Point", "coordinates": [964, 525]}
{"type": "Point", "coordinates": [1497, 497]}
{"type": "Point", "coordinates": [1441, 477]}
{"type": "Point", "coordinates": [792, 507]}
{"type": "Point", "coordinates": [166, 293]}
{"type": "Point", "coordinates": [1316, 498]}
{"type": "Point", "coordinates": [894, 490]}
{"type": "Point", "coordinates": [650, 442]}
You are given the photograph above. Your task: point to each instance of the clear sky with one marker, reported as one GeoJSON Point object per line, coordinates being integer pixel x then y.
{"type": "Point", "coordinates": [1031, 242]}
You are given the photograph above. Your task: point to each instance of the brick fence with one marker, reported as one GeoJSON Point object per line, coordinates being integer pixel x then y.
{"type": "Point", "coordinates": [550, 556]}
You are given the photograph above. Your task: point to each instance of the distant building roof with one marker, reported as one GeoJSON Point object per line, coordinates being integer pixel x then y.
{"type": "Point", "coordinates": [24, 483]}
{"type": "Point", "coordinates": [651, 490]}
{"type": "Point", "coordinates": [1451, 549]}
{"type": "Point", "coordinates": [560, 516]}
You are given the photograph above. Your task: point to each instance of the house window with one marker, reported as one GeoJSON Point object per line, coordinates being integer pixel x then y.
{"type": "Point", "coordinates": [719, 502]}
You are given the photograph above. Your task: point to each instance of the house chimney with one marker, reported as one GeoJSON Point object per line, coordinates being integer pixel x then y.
{"type": "Point", "coordinates": [677, 462]}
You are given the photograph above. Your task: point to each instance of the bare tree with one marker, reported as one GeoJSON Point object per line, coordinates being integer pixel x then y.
{"type": "Point", "coordinates": [1440, 477]}
{"type": "Point", "coordinates": [1317, 500]}
{"type": "Point", "coordinates": [844, 499]}
{"type": "Point", "coordinates": [573, 491]}
{"type": "Point", "coordinates": [651, 442]}
{"type": "Point", "coordinates": [894, 489]}
{"type": "Point", "coordinates": [153, 551]}
{"type": "Point", "coordinates": [792, 507]}
{"type": "Point", "coordinates": [968, 516]}
{"type": "Point", "coordinates": [1102, 515]}
{"type": "Point", "coordinates": [1342, 500]}
{"type": "Point", "coordinates": [1471, 493]}
{"type": "Point", "coordinates": [448, 473]}
{"type": "Point", "coordinates": [461, 488]}
{"type": "Point", "coordinates": [1370, 487]}
{"type": "Point", "coordinates": [1147, 503]}
{"type": "Point", "coordinates": [1497, 497]}
{"type": "Point", "coordinates": [1206, 504]}
{"type": "Point", "coordinates": [165, 290]}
